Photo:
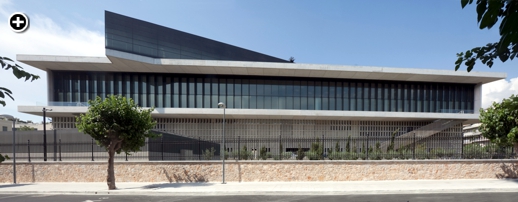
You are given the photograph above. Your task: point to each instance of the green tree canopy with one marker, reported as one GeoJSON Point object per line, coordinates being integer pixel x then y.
{"type": "Point", "coordinates": [25, 128]}
{"type": "Point", "coordinates": [116, 124]}
{"type": "Point", "coordinates": [489, 13]}
{"type": "Point", "coordinates": [500, 122]}
{"type": "Point", "coordinates": [18, 72]}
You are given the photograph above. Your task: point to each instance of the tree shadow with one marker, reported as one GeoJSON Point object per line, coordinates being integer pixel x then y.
{"type": "Point", "coordinates": [185, 177]}
{"type": "Point", "coordinates": [510, 171]}
{"type": "Point", "coordinates": [12, 185]}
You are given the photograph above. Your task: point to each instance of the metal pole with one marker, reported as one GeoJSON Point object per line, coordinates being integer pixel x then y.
{"type": "Point", "coordinates": [238, 147]}
{"type": "Point", "coordinates": [59, 149]}
{"type": "Point", "coordinates": [413, 152]}
{"type": "Point", "coordinates": [55, 145]}
{"type": "Point", "coordinates": [92, 149]}
{"type": "Point", "coordinates": [14, 152]}
{"type": "Point", "coordinates": [29, 149]}
{"type": "Point", "coordinates": [367, 147]}
{"type": "Point", "coordinates": [44, 136]}
{"type": "Point", "coordinates": [224, 145]}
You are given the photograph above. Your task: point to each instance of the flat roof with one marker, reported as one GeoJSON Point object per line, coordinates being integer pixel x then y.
{"type": "Point", "coordinates": [117, 61]}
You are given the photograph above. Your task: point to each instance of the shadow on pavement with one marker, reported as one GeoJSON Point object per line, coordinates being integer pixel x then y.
{"type": "Point", "coordinates": [510, 171]}
{"type": "Point", "coordinates": [12, 185]}
{"type": "Point", "coordinates": [176, 185]}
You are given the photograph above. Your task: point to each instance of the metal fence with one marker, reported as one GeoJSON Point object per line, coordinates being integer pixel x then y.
{"type": "Point", "coordinates": [76, 146]}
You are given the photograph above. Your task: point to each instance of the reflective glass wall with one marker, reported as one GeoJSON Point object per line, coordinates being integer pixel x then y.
{"type": "Point", "coordinates": [148, 39]}
{"type": "Point", "coordinates": [255, 92]}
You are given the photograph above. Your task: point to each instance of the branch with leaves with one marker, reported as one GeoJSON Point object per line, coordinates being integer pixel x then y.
{"type": "Point", "coordinates": [489, 13]}
{"type": "Point", "coordinates": [18, 72]}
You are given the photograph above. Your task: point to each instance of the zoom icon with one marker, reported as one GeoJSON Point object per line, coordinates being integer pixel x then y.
{"type": "Point", "coordinates": [19, 22]}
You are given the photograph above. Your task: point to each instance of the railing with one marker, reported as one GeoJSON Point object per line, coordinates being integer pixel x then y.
{"type": "Point", "coordinates": [318, 148]}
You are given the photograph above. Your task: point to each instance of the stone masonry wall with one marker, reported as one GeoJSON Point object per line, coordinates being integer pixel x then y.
{"type": "Point", "coordinates": [264, 171]}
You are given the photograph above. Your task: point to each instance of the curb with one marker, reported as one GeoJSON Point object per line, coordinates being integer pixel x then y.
{"type": "Point", "coordinates": [162, 193]}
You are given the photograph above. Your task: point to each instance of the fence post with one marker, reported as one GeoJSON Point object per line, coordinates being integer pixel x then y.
{"type": "Point", "coordinates": [199, 149]}
{"type": "Point", "coordinates": [55, 145]}
{"type": "Point", "coordinates": [280, 149]}
{"type": "Point", "coordinates": [59, 149]}
{"type": "Point", "coordinates": [238, 147]}
{"type": "Point", "coordinates": [92, 149]}
{"type": "Point", "coordinates": [367, 149]}
{"type": "Point", "coordinates": [162, 147]}
{"type": "Point", "coordinates": [29, 149]}
{"type": "Point", "coordinates": [462, 148]}
{"type": "Point", "coordinates": [323, 148]}
{"type": "Point", "coordinates": [413, 151]}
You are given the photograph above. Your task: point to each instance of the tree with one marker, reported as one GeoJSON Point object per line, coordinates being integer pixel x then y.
{"type": "Point", "coordinates": [25, 128]}
{"type": "Point", "coordinates": [3, 158]}
{"type": "Point", "coordinates": [117, 124]}
{"type": "Point", "coordinates": [489, 13]}
{"type": "Point", "coordinates": [348, 144]}
{"type": "Point", "coordinates": [18, 72]}
{"type": "Point", "coordinates": [500, 122]}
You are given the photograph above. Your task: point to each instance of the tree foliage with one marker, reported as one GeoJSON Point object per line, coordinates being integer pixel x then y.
{"type": "Point", "coordinates": [117, 124]}
{"type": "Point", "coordinates": [26, 128]}
{"type": "Point", "coordinates": [18, 72]}
{"type": "Point", "coordinates": [489, 13]}
{"type": "Point", "coordinates": [500, 122]}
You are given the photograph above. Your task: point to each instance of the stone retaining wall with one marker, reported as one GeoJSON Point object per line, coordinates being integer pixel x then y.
{"type": "Point", "coordinates": [269, 171]}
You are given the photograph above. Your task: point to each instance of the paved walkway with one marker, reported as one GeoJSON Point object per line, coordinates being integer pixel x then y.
{"type": "Point", "coordinates": [262, 188]}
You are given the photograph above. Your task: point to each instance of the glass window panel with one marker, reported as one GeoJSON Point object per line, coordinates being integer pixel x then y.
{"type": "Point", "coordinates": [245, 102]}
{"type": "Point", "coordinates": [167, 101]}
{"type": "Point", "coordinates": [206, 87]}
{"type": "Point", "coordinates": [260, 88]}
{"type": "Point", "coordinates": [253, 101]}
{"type": "Point", "coordinates": [346, 96]}
{"type": "Point", "coordinates": [199, 86]}
{"type": "Point", "coordinates": [419, 95]}
{"type": "Point", "coordinates": [325, 89]}
{"type": "Point", "coordinates": [296, 88]}
{"type": "Point", "coordinates": [143, 84]}
{"type": "Point", "coordinates": [290, 103]}
{"type": "Point", "coordinates": [332, 89]}
{"type": "Point", "coordinates": [373, 97]}
{"type": "Point", "coordinates": [253, 88]}
{"type": "Point", "coordinates": [245, 88]}
{"type": "Point", "coordinates": [311, 104]}
{"type": "Point", "coordinates": [222, 86]}
{"type": "Point", "coordinates": [237, 101]}
{"type": "Point", "coordinates": [237, 87]}
{"type": "Point", "coordinates": [260, 102]}
{"type": "Point", "coordinates": [400, 98]}
{"type": "Point", "coordinates": [267, 102]}
{"type": "Point", "coordinates": [352, 96]}
{"type": "Point", "coordinates": [304, 88]}
{"type": "Point", "coordinates": [282, 88]}
{"type": "Point", "coordinates": [386, 97]}
{"type": "Point", "coordinates": [359, 96]}
{"type": "Point", "coordinates": [230, 86]}
{"type": "Point", "coordinates": [289, 87]}
{"type": "Point", "coordinates": [176, 101]}
{"type": "Point", "coordinates": [296, 102]}
{"type": "Point", "coordinates": [275, 102]}
{"type": "Point", "coordinates": [311, 89]}
{"type": "Point", "coordinates": [206, 101]}
{"type": "Point", "coordinates": [230, 101]}
{"type": "Point", "coordinates": [267, 87]}
{"type": "Point", "coordinates": [176, 86]}
{"type": "Point", "coordinates": [303, 103]}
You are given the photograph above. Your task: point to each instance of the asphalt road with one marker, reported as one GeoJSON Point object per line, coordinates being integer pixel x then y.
{"type": "Point", "coordinates": [462, 197]}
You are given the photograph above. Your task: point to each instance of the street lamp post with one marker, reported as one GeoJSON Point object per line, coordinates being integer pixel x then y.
{"type": "Point", "coordinates": [222, 105]}
{"type": "Point", "coordinates": [14, 148]}
{"type": "Point", "coordinates": [45, 134]}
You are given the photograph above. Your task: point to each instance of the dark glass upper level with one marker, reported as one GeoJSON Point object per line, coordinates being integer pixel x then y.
{"type": "Point", "coordinates": [256, 92]}
{"type": "Point", "coordinates": [143, 38]}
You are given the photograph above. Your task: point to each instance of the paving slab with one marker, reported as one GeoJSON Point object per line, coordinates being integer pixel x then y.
{"type": "Point", "coordinates": [268, 188]}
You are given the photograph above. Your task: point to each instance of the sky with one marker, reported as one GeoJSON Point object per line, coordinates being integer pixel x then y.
{"type": "Point", "coordinates": [384, 33]}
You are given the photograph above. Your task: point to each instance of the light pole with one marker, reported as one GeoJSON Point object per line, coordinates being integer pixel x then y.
{"type": "Point", "coordinates": [222, 105]}
{"type": "Point", "coordinates": [14, 148]}
{"type": "Point", "coordinates": [45, 134]}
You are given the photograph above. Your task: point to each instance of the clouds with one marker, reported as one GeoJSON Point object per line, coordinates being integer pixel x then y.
{"type": "Point", "coordinates": [498, 90]}
{"type": "Point", "coordinates": [44, 37]}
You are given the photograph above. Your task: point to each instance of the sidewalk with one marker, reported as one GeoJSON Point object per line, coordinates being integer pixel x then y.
{"type": "Point", "coordinates": [269, 188]}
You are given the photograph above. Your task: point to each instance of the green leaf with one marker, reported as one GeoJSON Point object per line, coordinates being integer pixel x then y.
{"type": "Point", "coordinates": [465, 2]}
{"type": "Point", "coordinates": [481, 9]}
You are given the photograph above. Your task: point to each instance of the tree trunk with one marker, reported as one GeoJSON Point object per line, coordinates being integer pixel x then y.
{"type": "Point", "coordinates": [111, 170]}
{"type": "Point", "coordinates": [515, 150]}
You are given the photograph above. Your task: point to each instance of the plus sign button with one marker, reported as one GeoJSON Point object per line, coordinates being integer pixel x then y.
{"type": "Point", "coordinates": [19, 22]}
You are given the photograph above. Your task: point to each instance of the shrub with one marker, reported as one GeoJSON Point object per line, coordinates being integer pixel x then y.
{"type": "Point", "coordinates": [300, 153]}
{"type": "Point", "coordinates": [245, 154]}
{"type": "Point", "coordinates": [262, 153]}
{"type": "Point", "coordinates": [317, 151]}
{"type": "Point", "coordinates": [286, 155]}
{"type": "Point", "coordinates": [313, 155]}
{"type": "Point", "coordinates": [209, 154]}
{"type": "Point", "coordinates": [335, 156]}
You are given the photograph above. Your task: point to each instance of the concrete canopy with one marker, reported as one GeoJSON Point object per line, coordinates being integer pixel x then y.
{"type": "Point", "coordinates": [117, 61]}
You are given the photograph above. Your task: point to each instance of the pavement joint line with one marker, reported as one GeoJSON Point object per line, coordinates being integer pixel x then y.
{"type": "Point", "coordinates": [220, 193]}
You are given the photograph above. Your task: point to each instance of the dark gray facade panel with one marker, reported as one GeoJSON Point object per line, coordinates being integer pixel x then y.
{"type": "Point", "coordinates": [256, 92]}
{"type": "Point", "coordinates": [144, 38]}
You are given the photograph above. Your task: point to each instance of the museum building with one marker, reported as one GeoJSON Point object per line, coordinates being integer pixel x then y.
{"type": "Point", "coordinates": [184, 77]}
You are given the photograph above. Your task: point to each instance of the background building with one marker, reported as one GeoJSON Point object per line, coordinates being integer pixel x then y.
{"type": "Point", "coordinates": [269, 100]}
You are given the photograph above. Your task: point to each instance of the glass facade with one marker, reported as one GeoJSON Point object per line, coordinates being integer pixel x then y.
{"type": "Point", "coordinates": [259, 92]}
{"type": "Point", "coordinates": [148, 39]}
